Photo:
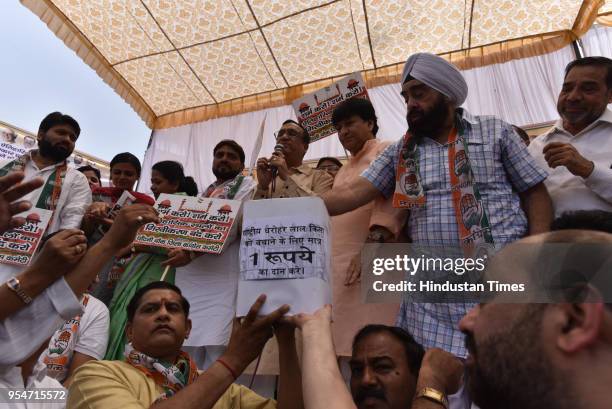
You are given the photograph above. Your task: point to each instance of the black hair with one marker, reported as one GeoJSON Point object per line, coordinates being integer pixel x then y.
{"type": "Point", "coordinates": [414, 350]}
{"type": "Point", "coordinates": [174, 173]}
{"type": "Point", "coordinates": [233, 145]}
{"type": "Point", "coordinates": [126, 157]}
{"type": "Point", "coordinates": [329, 159]}
{"type": "Point", "coordinates": [593, 62]}
{"type": "Point", "coordinates": [155, 285]}
{"type": "Point", "coordinates": [86, 168]}
{"type": "Point", "coordinates": [599, 220]}
{"type": "Point", "coordinates": [305, 136]}
{"type": "Point", "coordinates": [57, 118]}
{"type": "Point", "coordinates": [361, 107]}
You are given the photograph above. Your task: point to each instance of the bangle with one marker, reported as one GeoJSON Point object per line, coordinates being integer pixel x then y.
{"type": "Point", "coordinates": [229, 368]}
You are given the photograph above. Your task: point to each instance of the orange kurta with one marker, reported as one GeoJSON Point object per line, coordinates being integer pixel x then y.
{"type": "Point", "coordinates": [349, 232]}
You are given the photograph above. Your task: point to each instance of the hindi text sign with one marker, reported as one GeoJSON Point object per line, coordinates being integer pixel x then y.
{"type": "Point", "coordinates": [17, 246]}
{"type": "Point", "coordinates": [314, 110]}
{"type": "Point", "coordinates": [285, 254]}
{"type": "Point", "coordinates": [191, 223]}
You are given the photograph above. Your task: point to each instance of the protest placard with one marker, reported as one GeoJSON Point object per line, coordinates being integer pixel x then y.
{"type": "Point", "coordinates": [314, 110]}
{"type": "Point", "coordinates": [285, 253]}
{"type": "Point", "coordinates": [17, 246]}
{"type": "Point", "coordinates": [191, 223]}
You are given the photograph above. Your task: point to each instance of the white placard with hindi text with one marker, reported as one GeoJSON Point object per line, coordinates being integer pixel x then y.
{"type": "Point", "coordinates": [17, 246]}
{"type": "Point", "coordinates": [285, 254]}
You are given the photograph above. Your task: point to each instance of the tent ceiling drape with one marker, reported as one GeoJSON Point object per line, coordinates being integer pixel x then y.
{"type": "Point", "coordinates": [178, 62]}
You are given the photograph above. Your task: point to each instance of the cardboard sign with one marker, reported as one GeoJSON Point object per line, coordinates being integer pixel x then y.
{"type": "Point", "coordinates": [314, 110]}
{"type": "Point", "coordinates": [17, 246]}
{"type": "Point", "coordinates": [191, 223]}
{"type": "Point", "coordinates": [285, 254]}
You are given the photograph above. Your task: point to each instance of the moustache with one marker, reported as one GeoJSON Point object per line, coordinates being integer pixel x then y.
{"type": "Point", "coordinates": [364, 393]}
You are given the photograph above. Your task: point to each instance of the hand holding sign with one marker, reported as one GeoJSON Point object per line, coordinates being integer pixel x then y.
{"type": "Point", "coordinates": [249, 336]}
{"type": "Point", "coordinates": [10, 191]}
{"type": "Point", "coordinates": [127, 223]}
{"type": "Point", "coordinates": [61, 252]}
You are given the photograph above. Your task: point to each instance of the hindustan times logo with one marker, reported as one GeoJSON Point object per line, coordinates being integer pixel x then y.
{"type": "Point", "coordinates": [412, 265]}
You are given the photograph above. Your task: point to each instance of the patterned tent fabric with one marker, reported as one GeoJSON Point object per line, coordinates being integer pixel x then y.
{"type": "Point", "coordinates": [180, 61]}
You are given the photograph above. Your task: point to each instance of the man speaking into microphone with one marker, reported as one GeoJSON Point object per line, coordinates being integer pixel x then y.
{"type": "Point", "coordinates": [284, 174]}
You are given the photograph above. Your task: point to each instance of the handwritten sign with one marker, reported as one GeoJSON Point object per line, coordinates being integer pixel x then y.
{"type": "Point", "coordinates": [17, 246]}
{"type": "Point", "coordinates": [191, 223]}
{"type": "Point", "coordinates": [280, 248]}
{"type": "Point", "coordinates": [314, 111]}
{"type": "Point", "coordinates": [285, 254]}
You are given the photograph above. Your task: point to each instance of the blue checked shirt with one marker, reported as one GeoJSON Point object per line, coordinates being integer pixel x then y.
{"type": "Point", "coordinates": [502, 168]}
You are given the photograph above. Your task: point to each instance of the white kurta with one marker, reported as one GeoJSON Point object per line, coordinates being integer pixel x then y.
{"type": "Point", "coordinates": [210, 283]}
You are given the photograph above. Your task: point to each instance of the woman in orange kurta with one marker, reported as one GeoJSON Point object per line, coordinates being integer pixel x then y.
{"type": "Point", "coordinates": [376, 221]}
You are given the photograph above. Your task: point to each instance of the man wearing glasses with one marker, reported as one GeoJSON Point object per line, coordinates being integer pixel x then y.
{"type": "Point", "coordinates": [284, 174]}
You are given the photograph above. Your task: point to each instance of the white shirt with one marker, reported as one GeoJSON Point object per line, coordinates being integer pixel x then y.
{"type": "Point", "coordinates": [73, 201]}
{"type": "Point", "coordinates": [25, 331]}
{"type": "Point", "coordinates": [12, 379]}
{"type": "Point", "coordinates": [91, 338]}
{"type": "Point", "coordinates": [570, 192]}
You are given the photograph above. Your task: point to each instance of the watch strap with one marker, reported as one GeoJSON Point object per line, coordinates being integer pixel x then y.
{"type": "Point", "coordinates": [14, 285]}
{"type": "Point", "coordinates": [433, 395]}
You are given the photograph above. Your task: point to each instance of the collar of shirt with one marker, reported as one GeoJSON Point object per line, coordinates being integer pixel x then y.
{"type": "Point", "coordinates": [558, 126]}
{"type": "Point", "coordinates": [35, 166]}
{"type": "Point", "coordinates": [304, 169]}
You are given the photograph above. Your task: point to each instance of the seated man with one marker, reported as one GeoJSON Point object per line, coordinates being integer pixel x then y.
{"type": "Point", "coordinates": [284, 174]}
{"type": "Point", "coordinates": [545, 355]}
{"type": "Point", "coordinates": [389, 369]}
{"type": "Point", "coordinates": [156, 373]}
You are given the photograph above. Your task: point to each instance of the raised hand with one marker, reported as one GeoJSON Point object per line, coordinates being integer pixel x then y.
{"type": "Point", "coordinates": [60, 253]}
{"type": "Point", "coordinates": [127, 223]}
{"type": "Point", "coordinates": [10, 191]}
{"type": "Point", "coordinates": [250, 334]}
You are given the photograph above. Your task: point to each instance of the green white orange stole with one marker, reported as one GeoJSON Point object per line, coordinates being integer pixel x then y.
{"type": "Point", "coordinates": [470, 212]}
{"type": "Point", "coordinates": [52, 189]}
{"type": "Point", "coordinates": [172, 378]}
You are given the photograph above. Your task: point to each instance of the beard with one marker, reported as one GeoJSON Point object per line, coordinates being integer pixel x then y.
{"type": "Point", "coordinates": [224, 173]}
{"type": "Point", "coordinates": [56, 152]}
{"type": "Point", "coordinates": [511, 369]}
{"type": "Point", "coordinates": [422, 122]}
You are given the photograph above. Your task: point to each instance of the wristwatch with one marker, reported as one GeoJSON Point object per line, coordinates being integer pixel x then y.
{"type": "Point", "coordinates": [15, 285]}
{"type": "Point", "coordinates": [433, 395]}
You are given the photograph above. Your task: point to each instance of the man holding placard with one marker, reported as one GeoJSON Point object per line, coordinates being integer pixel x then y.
{"type": "Point", "coordinates": [61, 201]}
{"type": "Point", "coordinates": [284, 174]}
{"type": "Point", "coordinates": [210, 280]}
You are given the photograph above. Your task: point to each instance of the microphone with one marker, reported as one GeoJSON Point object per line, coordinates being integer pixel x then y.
{"type": "Point", "coordinates": [279, 148]}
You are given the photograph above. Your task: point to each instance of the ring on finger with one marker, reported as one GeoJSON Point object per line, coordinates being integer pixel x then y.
{"type": "Point", "coordinates": [140, 219]}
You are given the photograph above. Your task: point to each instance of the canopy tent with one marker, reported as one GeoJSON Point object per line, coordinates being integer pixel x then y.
{"type": "Point", "coordinates": [180, 62]}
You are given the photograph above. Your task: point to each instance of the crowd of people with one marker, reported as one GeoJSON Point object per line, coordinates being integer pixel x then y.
{"type": "Point", "coordinates": [118, 324]}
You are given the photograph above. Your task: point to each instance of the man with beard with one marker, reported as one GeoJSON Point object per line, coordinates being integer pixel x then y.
{"type": "Point", "coordinates": [284, 174]}
{"type": "Point", "coordinates": [577, 151]}
{"type": "Point", "coordinates": [545, 355]}
{"type": "Point", "coordinates": [65, 190]}
{"type": "Point", "coordinates": [468, 181]}
{"type": "Point", "coordinates": [209, 281]}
